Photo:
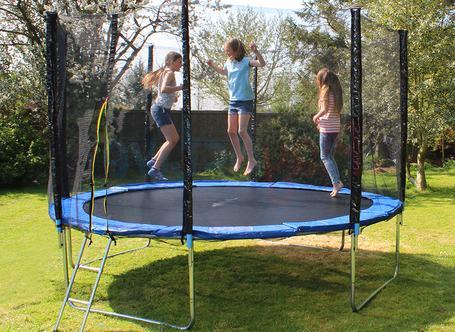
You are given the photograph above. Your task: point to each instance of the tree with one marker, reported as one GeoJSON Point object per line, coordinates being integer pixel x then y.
{"type": "Point", "coordinates": [22, 49]}
{"type": "Point", "coordinates": [249, 26]}
{"type": "Point", "coordinates": [22, 24]}
{"type": "Point", "coordinates": [431, 68]}
{"type": "Point", "coordinates": [320, 37]}
{"type": "Point", "coordinates": [130, 92]}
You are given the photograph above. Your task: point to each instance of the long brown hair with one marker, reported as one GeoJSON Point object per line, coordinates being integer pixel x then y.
{"type": "Point", "coordinates": [237, 46]}
{"type": "Point", "coordinates": [152, 78]}
{"type": "Point", "coordinates": [328, 82]}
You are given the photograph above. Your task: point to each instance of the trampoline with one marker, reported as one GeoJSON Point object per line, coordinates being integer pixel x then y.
{"type": "Point", "coordinates": [223, 210]}
{"type": "Point", "coordinates": [84, 152]}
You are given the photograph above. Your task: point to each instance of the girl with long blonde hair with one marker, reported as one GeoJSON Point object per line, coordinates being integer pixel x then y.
{"type": "Point", "coordinates": [327, 120]}
{"type": "Point", "coordinates": [164, 80]}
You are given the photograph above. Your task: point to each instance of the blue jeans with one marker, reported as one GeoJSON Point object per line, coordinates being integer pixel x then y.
{"type": "Point", "coordinates": [327, 143]}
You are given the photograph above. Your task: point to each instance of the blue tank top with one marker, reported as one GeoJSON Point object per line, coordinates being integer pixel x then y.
{"type": "Point", "coordinates": [239, 79]}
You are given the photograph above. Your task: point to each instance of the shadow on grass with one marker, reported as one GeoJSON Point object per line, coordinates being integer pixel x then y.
{"type": "Point", "coordinates": [283, 288]}
{"type": "Point", "coordinates": [37, 189]}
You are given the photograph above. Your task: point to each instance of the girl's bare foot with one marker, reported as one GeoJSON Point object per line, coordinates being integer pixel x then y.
{"type": "Point", "coordinates": [238, 164]}
{"type": "Point", "coordinates": [249, 167]}
{"type": "Point", "coordinates": [336, 188]}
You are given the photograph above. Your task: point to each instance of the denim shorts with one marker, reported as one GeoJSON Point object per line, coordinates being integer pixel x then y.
{"type": "Point", "coordinates": [240, 107]}
{"type": "Point", "coordinates": [161, 115]}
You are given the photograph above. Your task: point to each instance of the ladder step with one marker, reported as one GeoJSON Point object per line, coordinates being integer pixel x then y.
{"type": "Point", "coordinates": [77, 301]}
{"type": "Point", "coordinates": [89, 268]}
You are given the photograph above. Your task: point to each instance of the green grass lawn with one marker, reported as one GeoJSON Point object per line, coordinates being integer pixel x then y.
{"type": "Point", "coordinates": [240, 285]}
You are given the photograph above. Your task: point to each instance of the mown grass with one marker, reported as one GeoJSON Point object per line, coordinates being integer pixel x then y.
{"type": "Point", "coordinates": [240, 285]}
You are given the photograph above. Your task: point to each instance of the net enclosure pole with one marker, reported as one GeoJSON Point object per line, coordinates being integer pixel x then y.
{"type": "Point", "coordinates": [52, 108]}
{"type": "Point", "coordinates": [356, 142]}
{"type": "Point", "coordinates": [356, 121]}
{"type": "Point", "coordinates": [356, 163]}
{"type": "Point", "coordinates": [187, 226]}
{"type": "Point", "coordinates": [403, 37]}
{"type": "Point", "coordinates": [147, 122]}
{"type": "Point", "coordinates": [54, 139]}
{"type": "Point", "coordinates": [253, 124]}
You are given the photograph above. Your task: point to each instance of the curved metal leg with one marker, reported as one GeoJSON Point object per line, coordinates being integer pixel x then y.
{"type": "Point", "coordinates": [354, 247]}
{"type": "Point", "coordinates": [343, 237]}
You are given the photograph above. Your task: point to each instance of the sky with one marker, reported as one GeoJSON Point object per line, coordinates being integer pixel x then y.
{"type": "Point", "coordinates": [164, 43]}
{"type": "Point", "coordinates": [278, 4]}
{"type": "Point", "coordinates": [269, 7]}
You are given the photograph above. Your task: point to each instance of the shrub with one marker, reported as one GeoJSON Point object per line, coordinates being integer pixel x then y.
{"type": "Point", "coordinates": [289, 150]}
{"type": "Point", "coordinates": [23, 130]}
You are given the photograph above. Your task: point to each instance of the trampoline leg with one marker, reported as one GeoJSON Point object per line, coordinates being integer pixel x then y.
{"type": "Point", "coordinates": [343, 237]}
{"type": "Point", "coordinates": [63, 246]}
{"type": "Point", "coordinates": [191, 280]}
{"type": "Point", "coordinates": [354, 247]}
{"type": "Point", "coordinates": [70, 247]}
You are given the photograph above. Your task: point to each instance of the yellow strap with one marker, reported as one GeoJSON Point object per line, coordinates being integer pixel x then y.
{"type": "Point", "coordinates": [107, 155]}
{"type": "Point", "coordinates": [92, 196]}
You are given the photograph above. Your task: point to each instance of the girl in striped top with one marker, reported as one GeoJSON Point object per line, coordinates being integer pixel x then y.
{"type": "Point", "coordinates": [328, 122]}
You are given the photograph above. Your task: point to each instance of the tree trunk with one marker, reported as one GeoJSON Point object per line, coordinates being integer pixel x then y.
{"type": "Point", "coordinates": [408, 172]}
{"type": "Point", "coordinates": [442, 150]}
{"type": "Point", "coordinates": [421, 180]}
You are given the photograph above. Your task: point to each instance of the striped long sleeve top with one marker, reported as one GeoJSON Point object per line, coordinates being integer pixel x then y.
{"type": "Point", "coordinates": [330, 121]}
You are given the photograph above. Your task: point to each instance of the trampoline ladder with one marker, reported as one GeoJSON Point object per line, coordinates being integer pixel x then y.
{"type": "Point", "coordinates": [87, 304]}
{"type": "Point", "coordinates": [69, 250]}
{"type": "Point", "coordinates": [89, 268]}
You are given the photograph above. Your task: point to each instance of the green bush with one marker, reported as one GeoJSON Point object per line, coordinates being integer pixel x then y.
{"type": "Point", "coordinates": [289, 149]}
{"type": "Point", "coordinates": [23, 130]}
{"type": "Point", "coordinates": [449, 164]}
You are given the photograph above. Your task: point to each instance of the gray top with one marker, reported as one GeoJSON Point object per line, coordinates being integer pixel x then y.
{"type": "Point", "coordinates": [165, 100]}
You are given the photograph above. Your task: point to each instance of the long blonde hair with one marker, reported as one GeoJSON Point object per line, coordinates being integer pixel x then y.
{"type": "Point", "coordinates": [151, 79]}
{"type": "Point", "coordinates": [327, 82]}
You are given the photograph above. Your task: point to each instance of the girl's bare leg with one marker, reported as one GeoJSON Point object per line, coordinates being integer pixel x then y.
{"type": "Point", "coordinates": [157, 154]}
{"type": "Point", "coordinates": [233, 136]}
{"type": "Point", "coordinates": [244, 119]}
{"type": "Point", "coordinates": [172, 138]}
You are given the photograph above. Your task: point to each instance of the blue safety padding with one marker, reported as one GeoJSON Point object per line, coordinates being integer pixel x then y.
{"type": "Point", "coordinates": [383, 208]}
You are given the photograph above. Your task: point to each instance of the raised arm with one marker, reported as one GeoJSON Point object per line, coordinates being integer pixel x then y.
{"type": "Point", "coordinates": [168, 85]}
{"type": "Point", "coordinates": [217, 68]}
{"type": "Point", "coordinates": [259, 62]}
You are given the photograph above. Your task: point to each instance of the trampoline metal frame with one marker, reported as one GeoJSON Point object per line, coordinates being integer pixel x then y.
{"type": "Point", "coordinates": [353, 251]}
{"type": "Point", "coordinates": [76, 303]}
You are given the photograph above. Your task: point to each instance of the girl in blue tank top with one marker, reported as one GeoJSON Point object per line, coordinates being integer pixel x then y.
{"type": "Point", "coordinates": [241, 97]}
